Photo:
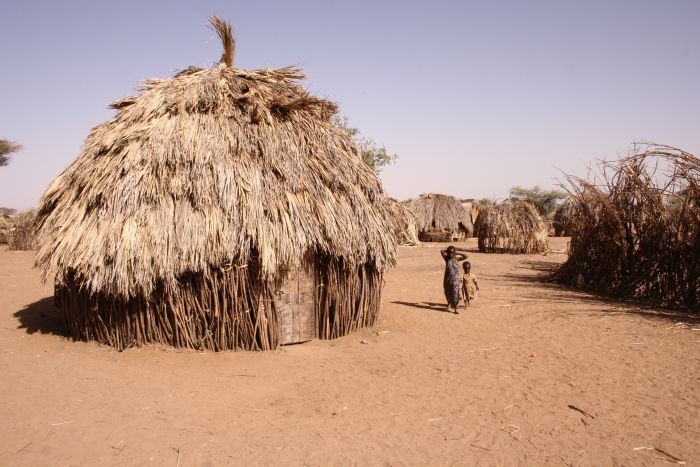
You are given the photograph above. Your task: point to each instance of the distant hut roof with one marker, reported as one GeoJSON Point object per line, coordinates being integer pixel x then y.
{"type": "Point", "coordinates": [203, 170]}
{"type": "Point", "coordinates": [441, 212]}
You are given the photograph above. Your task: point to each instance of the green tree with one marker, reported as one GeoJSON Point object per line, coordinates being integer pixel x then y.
{"type": "Point", "coordinates": [7, 148]}
{"type": "Point", "coordinates": [486, 202]}
{"type": "Point", "coordinates": [546, 201]}
{"type": "Point", "coordinates": [374, 155]}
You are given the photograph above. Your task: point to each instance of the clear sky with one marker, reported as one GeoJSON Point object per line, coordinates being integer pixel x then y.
{"type": "Point", "coordinates": [474, 97]}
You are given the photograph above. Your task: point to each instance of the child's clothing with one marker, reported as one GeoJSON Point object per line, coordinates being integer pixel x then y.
{"type": "Point", "coordinates": [469, 286]}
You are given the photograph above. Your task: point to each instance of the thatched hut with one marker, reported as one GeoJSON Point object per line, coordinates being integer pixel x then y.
{"type": "Point", "coordinates": [562, 219]}
{"type": "Point", "coordinates": [513, 226]}
{"type": "Point", "coordinates": [441, 218]}
{"type": "Point", "coordinates": [21, 234]}
{"type": "Point", "coordinates": [219, 209]}
{"type": "Point", "coordinates": [5, 225]}
{"type": "Point", "coordinates": [405, 223]}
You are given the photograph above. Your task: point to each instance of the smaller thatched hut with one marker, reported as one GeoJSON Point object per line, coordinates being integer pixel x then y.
{"type": "Point", "coordinates": [513, 226]}
{"type": "Point", "coordinates": [5, 225]}
{"type": "Point", "coordinates": [22, 236]}
{"type": "Point", "coordinates": [562, 219]}
{"type": "Point", "coordinates": [405, 223]}
{"type": "Point", "coordinates": [441, 218]}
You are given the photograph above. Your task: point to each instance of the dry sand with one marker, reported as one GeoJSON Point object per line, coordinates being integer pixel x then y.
{"type": "Point", "coordinates": [533, 374]}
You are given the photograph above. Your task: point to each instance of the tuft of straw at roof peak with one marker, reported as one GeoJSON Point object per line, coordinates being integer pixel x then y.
{"type": "Point", "coordinates": [228, 39]}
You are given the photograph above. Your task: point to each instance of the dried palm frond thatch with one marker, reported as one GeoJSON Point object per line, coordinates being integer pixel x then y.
{"type": "Point", "coordinates": [21, 236]}
{"type": "Point", "coordinates": [439, 214]}
{"type": "Point", "coordinates": [636, 228]}
{"type": "Point", "coordinates": [405, 223]}
{"type": "Point", "coordinates": [184, 213]}
{"type": "Point", "coordinates": [472, 206]}
{"type": "Point", "coordinates": [513, 226]}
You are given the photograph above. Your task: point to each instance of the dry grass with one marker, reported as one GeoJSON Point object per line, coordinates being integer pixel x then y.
{"type": "Point", "coordinates": [513, 226]}
{"type": "Point", "coordinates": [635, 229]}
{"type": "Point", "coordinates": [441, 213]}
{"type": "Point", "coordinates": [212, 170]}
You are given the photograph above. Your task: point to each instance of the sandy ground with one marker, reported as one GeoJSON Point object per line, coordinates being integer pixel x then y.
{"type": "Point", "coordinates": [533, 374]}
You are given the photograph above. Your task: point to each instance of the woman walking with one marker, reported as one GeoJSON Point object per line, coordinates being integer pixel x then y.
{"type": "Point", "coordinates": [452, 282]}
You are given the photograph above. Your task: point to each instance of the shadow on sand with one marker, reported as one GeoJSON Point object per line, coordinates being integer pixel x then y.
{"type": "Point", "coordinates": [425, 305]}
{"type": "Point", "coordinates": [561, 293]}
{"type": "Point", "coordinates": [42, 317]}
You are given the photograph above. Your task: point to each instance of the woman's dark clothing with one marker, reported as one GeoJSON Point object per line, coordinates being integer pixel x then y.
{"type": "Point", "coordinates": [452, 282]}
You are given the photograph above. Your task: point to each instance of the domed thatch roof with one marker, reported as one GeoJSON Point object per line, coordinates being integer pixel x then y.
{"type": "Point", "coordinates": [204, 170]}
{"type": "Point", "coordinates": [513, 226]}
{"type": "Point", "coordinates": [436, 212]}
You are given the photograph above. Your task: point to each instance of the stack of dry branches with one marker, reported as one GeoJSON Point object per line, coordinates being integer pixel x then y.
{"type": "Point", "coordinates": [513, 226]}
{"type": "Point", "coordinates": [635, 230]}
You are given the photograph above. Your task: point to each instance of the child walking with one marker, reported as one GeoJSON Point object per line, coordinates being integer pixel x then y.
{"type": "Point", "coordinates": [470, 287]}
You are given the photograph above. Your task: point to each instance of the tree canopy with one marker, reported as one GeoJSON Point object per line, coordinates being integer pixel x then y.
{"type": "Point", "coordinates": [374, 155]}
{"type": "Point", "coordinates": [7, 148]}
{"type": "Point", "coordinates": [546, 201]}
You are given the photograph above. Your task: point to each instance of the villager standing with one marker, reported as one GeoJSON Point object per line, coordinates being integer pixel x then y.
{"type": "Point", "coordinates": [470, 287]}
{"type": "Point", "coordinates": [452, 282]}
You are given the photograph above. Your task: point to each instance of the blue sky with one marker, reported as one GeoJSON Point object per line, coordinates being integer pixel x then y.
{"type": "Point", "coordinates": [474, 97]}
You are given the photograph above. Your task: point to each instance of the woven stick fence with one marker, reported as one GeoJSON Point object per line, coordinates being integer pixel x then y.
{"type": "Point", "coordinates": [513, 226]}
{"type": "Point", "coordinates": [348, 299]}
{"type": "Point", "coordinates": [635, 228]}
{"type": "Point", "coordinates": [229, 310]}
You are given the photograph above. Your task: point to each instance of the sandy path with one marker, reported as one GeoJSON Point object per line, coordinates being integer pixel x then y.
{"type": "Point", "coordinates": [437, 388]}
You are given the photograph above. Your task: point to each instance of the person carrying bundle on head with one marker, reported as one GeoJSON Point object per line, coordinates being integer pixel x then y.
{"type": "Point", "coordinates": [452, 282]}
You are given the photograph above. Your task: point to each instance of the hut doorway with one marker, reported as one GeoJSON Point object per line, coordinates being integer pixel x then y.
{"type": "Point", "coordinates": [295, 305]}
